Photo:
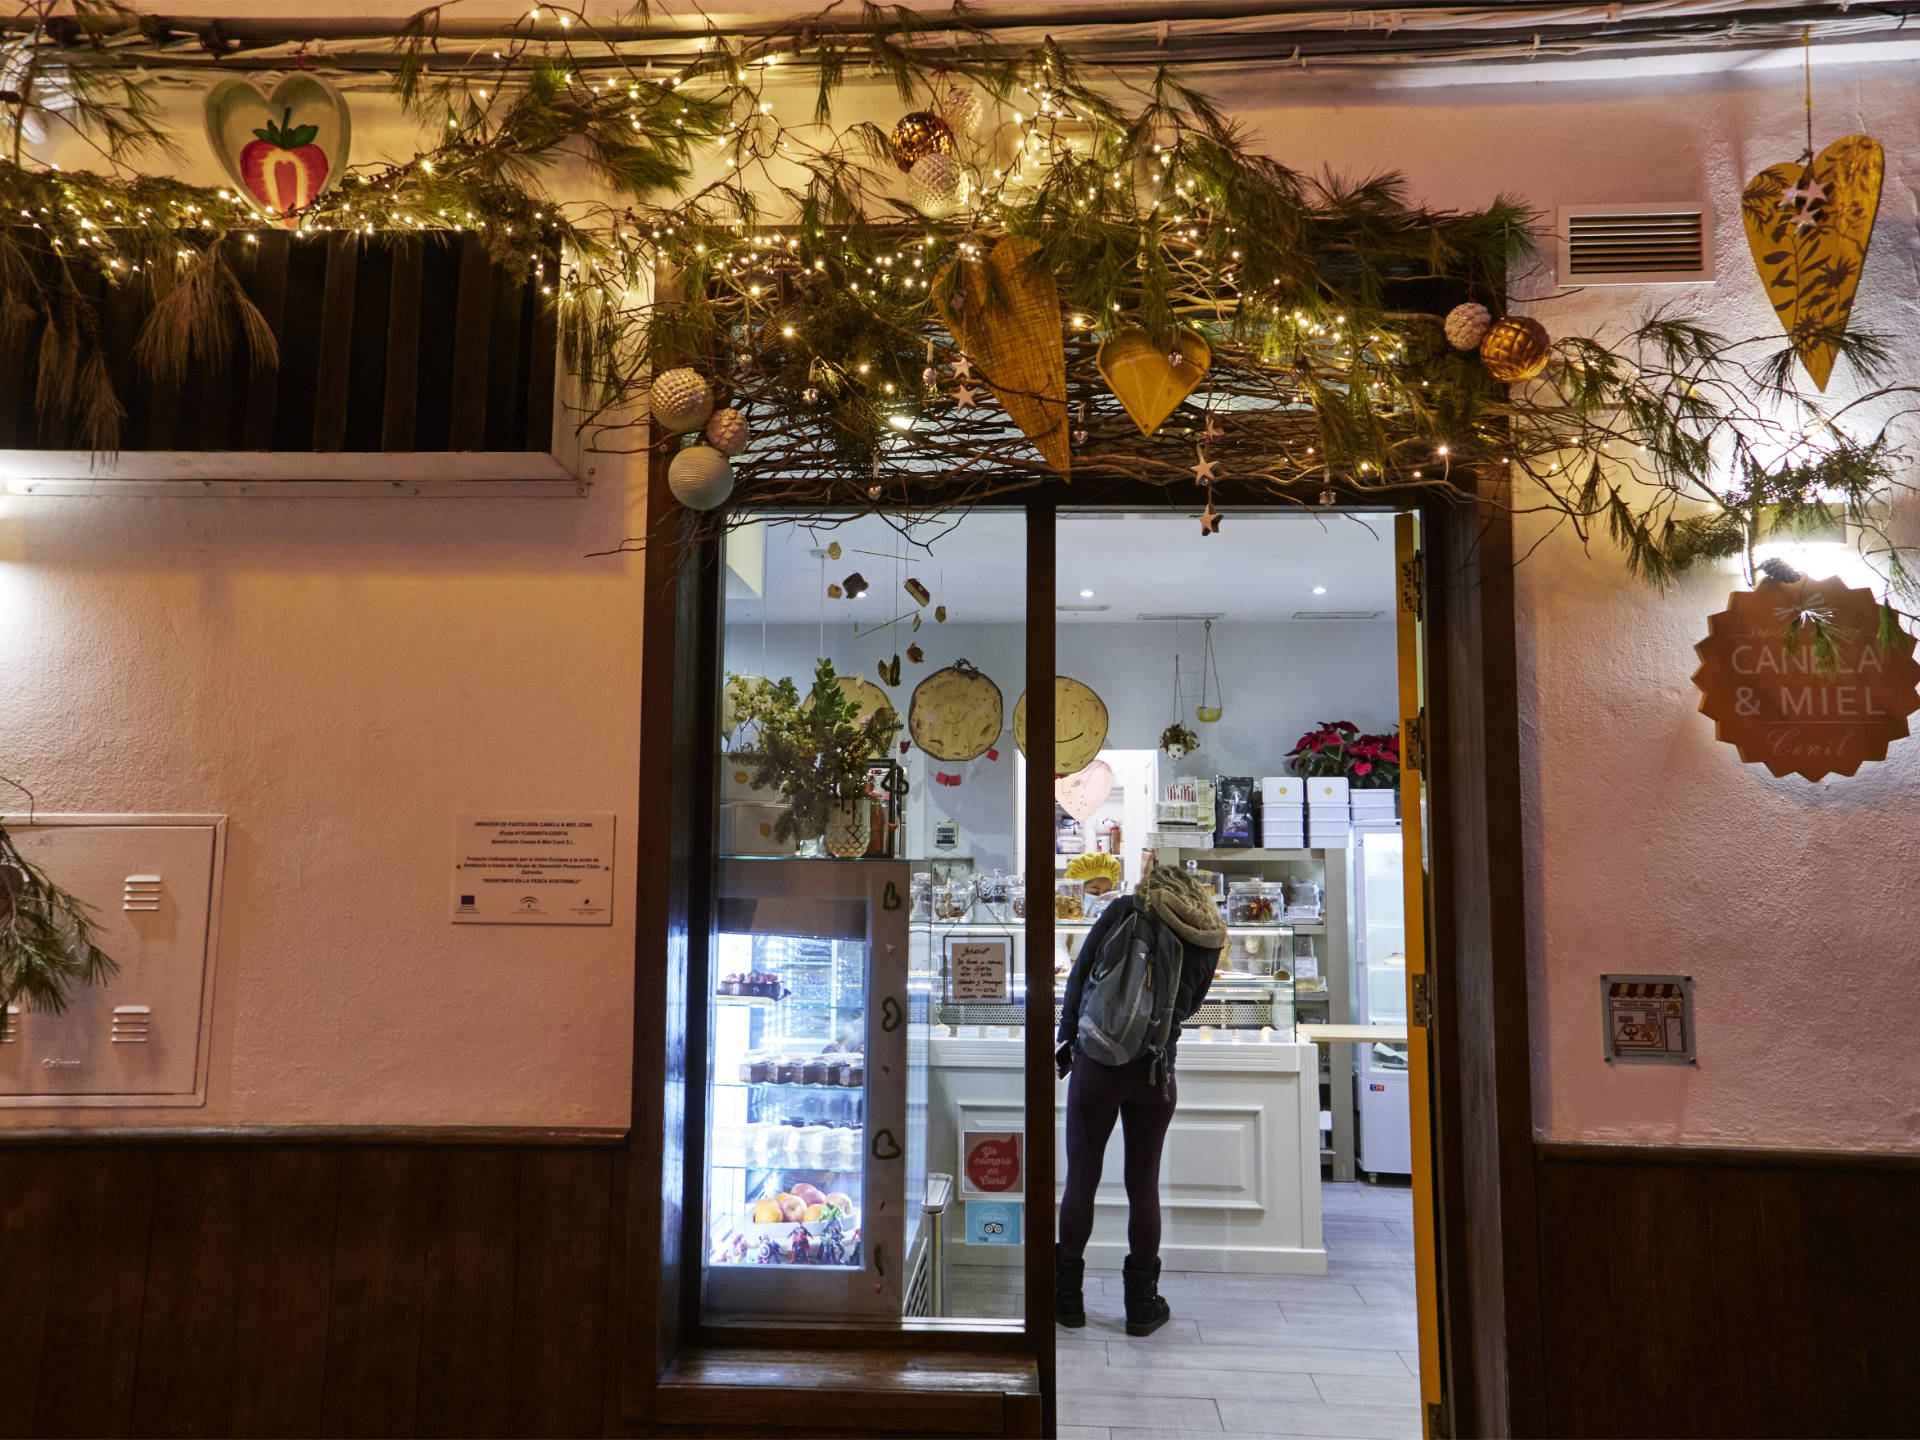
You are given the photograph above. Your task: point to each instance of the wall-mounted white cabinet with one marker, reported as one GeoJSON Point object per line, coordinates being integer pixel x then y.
{"type": "Point", "coordinates": [142, 1038]}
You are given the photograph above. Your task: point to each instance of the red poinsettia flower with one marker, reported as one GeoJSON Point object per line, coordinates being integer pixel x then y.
{"type": "Point", "coordinates": [1363, 768]}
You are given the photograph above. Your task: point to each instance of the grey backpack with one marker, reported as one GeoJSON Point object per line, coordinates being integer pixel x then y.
{"type": "Point", "coordinates": [1126, 1004]}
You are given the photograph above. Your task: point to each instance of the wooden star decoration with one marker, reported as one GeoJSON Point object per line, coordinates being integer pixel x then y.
{"type": "Point", "coordinates": [1203, 472]}
{"type": "Point", "coordinates": [1213, 430]}
{"type": "Point", "coordinates": [963, 397]}
{"type": "Point", "coordinates": [963, 369]}
{"type": "Point", "coordinates": [1209, 518]}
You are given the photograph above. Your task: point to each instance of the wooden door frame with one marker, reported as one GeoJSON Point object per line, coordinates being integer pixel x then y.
{"type": "Point", "coordinates": [1483, 1142]}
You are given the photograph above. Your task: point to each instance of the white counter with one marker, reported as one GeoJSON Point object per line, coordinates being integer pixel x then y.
{"type": "Point", "coordinates": [1240, 1176]}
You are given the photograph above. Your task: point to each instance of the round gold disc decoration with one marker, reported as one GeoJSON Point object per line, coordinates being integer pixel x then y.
{"type": "Point", "coordinates": [1516, 348]}
{"type": "Point", "coordinates": [1079, 725]}
{"type": "Point", "coordinates": [918, 135]}
{"type": "Point", "coordinates": [956, 713]}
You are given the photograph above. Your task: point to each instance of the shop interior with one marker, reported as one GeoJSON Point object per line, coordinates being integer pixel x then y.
{"type": "Point", "coordinates": [1192, 668]}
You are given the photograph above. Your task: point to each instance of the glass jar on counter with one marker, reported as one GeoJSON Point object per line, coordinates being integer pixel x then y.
{"type": "Point", "coordinates": [1305, 899]}
{"type": "Point", "coordinates": [952, 901]}
{"type": "Point", "coordinates": [1017, 897]}
{"type": "Point", "coordinates": [1069, 900]}
{"type": "Point", "coordinates": [1248, 903]}
{"type": "Point", "coordinates": [993, 896]}
{"type": "Point", "coordinates": [920, 896]}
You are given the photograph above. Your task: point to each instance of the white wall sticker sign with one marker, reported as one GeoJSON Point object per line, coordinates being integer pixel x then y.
{"type": "Point", "coordinates": [512, 868]}
{"type": "Point", "coordinates": [1648, 1018]}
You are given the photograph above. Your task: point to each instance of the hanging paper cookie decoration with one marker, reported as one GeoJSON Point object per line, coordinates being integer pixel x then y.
{"type": "Point", "coordinates": [282, 150]}
{"type": "Point", "coordinates": [863, 692]}
{"type": "Point", "coordinates": [956, 713]}
{"type": "Point", "coordinates": [1079, 725]}
{"type": "Point", "coordinates": [1005, 312]}
{"type": "Point", "coordinates": [1148, 379]}
{"type": "Point", "coordinates": [1808, 227]}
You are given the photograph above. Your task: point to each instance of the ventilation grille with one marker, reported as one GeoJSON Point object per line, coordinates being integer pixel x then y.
{"type": "Point", "coordinates": [142, 892]}
{"type": "Point", "coordinates": [131, 1023]}
{"type": "Point", "coordinates": [1635, 244]}
{"type": "Point", "coordinates": [9, 1025]}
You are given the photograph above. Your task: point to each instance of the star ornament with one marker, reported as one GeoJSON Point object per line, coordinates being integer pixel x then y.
{"type": "Point", "coordinates": [1203, 472]}
{"type": "Point", "coordinates": [1209, 518]}
{"type": "Point", "coordinates": [1213, 430]}
{"type": "Point", "coordinates": [963, 369]}
{"type": "Point", "coordinates": [963, 398]}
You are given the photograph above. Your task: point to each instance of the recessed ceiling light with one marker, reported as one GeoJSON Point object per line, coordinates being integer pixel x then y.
{"type": "Point", "coordinates": [1319, 589]}
{"type": "Point", "coordinates": [1086, 594]}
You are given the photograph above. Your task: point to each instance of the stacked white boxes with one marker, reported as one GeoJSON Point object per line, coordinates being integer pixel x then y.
{"type": "Point", "coordinates": [1329, 819]}
{"type": "Point", "coordinates": [1372, 804]}
{"type": "Point", "coordinates": [1283, 812]}
{"type": "Point", "coordinates": [749, 814]}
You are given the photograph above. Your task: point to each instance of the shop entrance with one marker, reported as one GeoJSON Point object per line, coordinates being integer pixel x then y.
{"type": "Point", "coordinates": [1228, 704]}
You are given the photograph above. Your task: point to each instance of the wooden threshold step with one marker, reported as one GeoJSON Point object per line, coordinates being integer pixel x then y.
{"type": "Point", "coordinates": [888, 1391]}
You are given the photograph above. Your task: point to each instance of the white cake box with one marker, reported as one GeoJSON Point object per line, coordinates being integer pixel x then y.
{"type": "Point", "coordinates": [1327, 790]}
{"type": "Point", "coordinates": [1283, 790]}
{"type": "Point", "coordinates": [1330, 835]}
{"type": "Point", "coordinates": [1375, 804]}
{"type": "Point", "coordinates": [736, 782]}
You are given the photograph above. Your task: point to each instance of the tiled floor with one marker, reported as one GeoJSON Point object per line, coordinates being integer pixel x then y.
{"type": "Point", "coordinates": [1250, 1355]}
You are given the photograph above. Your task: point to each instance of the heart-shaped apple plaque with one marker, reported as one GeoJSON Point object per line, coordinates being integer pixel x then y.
{"type": "Point", "coordinates": [1149, 381]}
{"type": "Point", "coordinates": [1808, 227]}
{"type": "Point", "coordinates": [282, 150]}
{"type": "Point", "coordinates": [1085, 791]}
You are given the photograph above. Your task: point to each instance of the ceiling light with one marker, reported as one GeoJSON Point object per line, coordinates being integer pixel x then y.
{"type": "Point", "coordinates": [1319, 589]}
{"type": "Point", "coordinates": [1086, 594]}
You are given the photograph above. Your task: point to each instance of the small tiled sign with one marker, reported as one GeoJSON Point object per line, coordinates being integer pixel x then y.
{"type": "Point", "coordinates": [1647, 1019]}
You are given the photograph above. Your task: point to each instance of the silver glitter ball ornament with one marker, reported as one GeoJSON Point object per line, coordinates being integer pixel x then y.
{"type": "Point", "coordinates": [961, 109]}
{"type": "Point", "coordinates": [727, 432]}
{"type": "Point", "coordinates": [938, 185]}
{"type": "Point", "coordinates": [700, 477]}
{"type": "Point", "coordinates": [680, 401]}
{"type": "Point", "coordinates": [1467, 326]}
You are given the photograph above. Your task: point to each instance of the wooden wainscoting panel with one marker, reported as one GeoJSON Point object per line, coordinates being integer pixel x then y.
{"type": "Point", "coordinates": [560, 1317]}
{"type": "Point", "coordinates": [29, 1223]}
{"type": "Point", "coordinates": [466, 1327]}
{"type": "Point", "coordinates": [1735, 1293]}
{"type": "Point", "coordinates": [379, 1288]}
{"type": "Point", "coordinates": [91, 1342]}
{"type": "Point", "coordinates": [192, 1287]}
{"type": "Point", "coordinates": [285, 1290]}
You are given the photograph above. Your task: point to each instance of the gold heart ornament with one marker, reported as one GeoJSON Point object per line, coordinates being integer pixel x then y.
{"type": "Point", "coordinates": [1148, 380]}
{"type": "Point", "coordinates": [1808, 227]}
{"type": "Point", "coordinates": [1005, 313]}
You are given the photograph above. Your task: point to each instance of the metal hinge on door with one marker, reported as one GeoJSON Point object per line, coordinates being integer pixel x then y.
{"type": "Point", "coordinates": [1413, 588]}
{"type": "Point", "coordinates": [1419, 1000]}
{"type": "Point", "coordinates": [1415, 749]}
{"type": "Point", "coordinates": [1437, 1428]}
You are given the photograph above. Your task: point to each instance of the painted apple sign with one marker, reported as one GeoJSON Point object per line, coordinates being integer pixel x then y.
{"type": "Point", "coordinates": [282, 150]}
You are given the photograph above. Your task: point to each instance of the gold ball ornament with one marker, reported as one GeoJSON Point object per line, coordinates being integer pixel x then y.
{"type": "Point", "coordinates": [1467, 326]}
{"type": "Point", "coordinates": [961, 109]}
{"type": "Point", "coordinates": [937, 186]}
{"type": "Point", "coordinates": [679, 401]}
{"type": "Point", "coordinates": [727, 432]}
{"type": "Point", "coordinates": [700, 477]}
{"type": "Point", "coordinates": [918, 135]}
{"type": "Point", "coordinates": [1516, 348]}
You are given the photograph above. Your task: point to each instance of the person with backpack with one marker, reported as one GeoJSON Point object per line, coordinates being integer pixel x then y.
{"type": "Point", "coordinates": [1141, 973]}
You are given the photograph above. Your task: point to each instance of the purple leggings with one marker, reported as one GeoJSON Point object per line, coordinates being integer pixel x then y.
{"type": "Point", "coordinates": [1097, 1095]}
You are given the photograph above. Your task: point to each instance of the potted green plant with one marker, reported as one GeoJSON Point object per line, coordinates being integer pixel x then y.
{"type": "Point", "coordinates": [815, 751]}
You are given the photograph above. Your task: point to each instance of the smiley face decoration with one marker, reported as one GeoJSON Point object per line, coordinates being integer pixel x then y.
{"type": "Point", "coordinates": [285, 150]}
{"type": "Point", "coordinates": [1079, 725]}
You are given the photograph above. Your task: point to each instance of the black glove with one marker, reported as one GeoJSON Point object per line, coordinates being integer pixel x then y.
{"type": "Point", "coordinates": [1063, 1059]}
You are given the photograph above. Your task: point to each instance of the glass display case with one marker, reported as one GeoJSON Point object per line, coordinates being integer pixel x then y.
{"type": "Point", "coordinates": [1385, 1138]}
{"type": "Point", "coordinates": [807, 1105]}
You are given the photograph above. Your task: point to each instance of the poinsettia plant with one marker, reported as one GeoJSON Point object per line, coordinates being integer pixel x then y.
{"type": "Point", "coordinates": [1336, 748]}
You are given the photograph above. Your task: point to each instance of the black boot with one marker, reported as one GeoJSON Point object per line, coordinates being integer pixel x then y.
{"type": "Point", "coordinates": [1069, 1292]}
{"type": "Point", "coordinates": [1146, 1311]}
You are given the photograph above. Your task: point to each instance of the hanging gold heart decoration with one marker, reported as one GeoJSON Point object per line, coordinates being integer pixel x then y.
{"type": "Point", "coordinates": [1148, 380]}
{"type": "Point", "coordinates": [1808, 227]}
{"type": "Point", "coordinates": [1005, 313]}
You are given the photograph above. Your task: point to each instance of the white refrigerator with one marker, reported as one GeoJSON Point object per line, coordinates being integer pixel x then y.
{"type": "Point", "coordinates": [1385, 1134]}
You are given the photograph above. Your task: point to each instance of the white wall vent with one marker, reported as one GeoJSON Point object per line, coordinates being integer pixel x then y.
{"type": "Point", "coordinates": [1338, 614]}
{"type": "Point", "coordinates": [1657, 244]}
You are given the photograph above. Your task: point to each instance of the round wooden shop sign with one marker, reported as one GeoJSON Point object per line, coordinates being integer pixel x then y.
{"type": "Point", "coordinates": [1773, 703]}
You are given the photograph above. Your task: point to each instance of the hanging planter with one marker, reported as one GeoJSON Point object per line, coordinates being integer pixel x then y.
{"type": "Point", "coordinates": [1209, 674]}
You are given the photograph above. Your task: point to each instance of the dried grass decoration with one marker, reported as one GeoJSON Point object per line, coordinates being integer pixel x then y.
{"type": "Point", "coordinates": [1152, 380]}
{"type": "Point", "coordinates": [1005, 313]}
{"type": "Point", "coordinates": [956, 713]}
{"type": "Point", "coordinates": [1808, 227]}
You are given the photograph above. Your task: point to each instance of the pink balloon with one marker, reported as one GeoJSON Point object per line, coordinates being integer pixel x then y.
{"type": "Point", "coordinates": [1084, 791]}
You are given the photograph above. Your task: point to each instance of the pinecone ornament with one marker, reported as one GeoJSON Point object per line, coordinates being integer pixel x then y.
{"type": "Point", "coordinates": [700, 477]}
{"type": "Point", "coordinates": [680, 401]}
{"type": "Point", "coordinates": [728, 432]}
{"type": "Point", "coordinates": [937, 186]}
{"type": "Point", "coordinates": [918, 135]}
{"type": "Point", "coordinates": [1467, 326]}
